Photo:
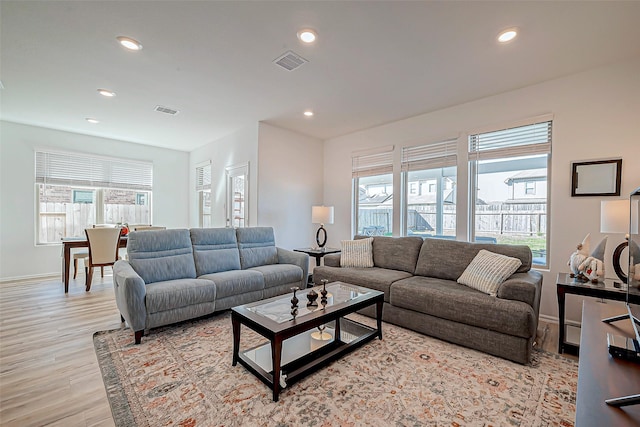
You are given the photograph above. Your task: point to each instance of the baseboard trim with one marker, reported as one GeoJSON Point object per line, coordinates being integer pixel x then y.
{"type": "Point", "coordinates": [548, 319]}
{"type": "Point", "coordinates": [31, 277]}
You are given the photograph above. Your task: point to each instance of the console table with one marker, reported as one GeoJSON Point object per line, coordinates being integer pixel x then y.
{"type": "Point", "coordinates": [600, 376]}
{"type": "Point", "coordinates": [607, 289]}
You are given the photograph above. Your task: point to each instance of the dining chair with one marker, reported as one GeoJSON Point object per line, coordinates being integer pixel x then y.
{"type": "Point", "coordinates": [84, 254]}
{"type": "Point", "coordinates": [103, 250]}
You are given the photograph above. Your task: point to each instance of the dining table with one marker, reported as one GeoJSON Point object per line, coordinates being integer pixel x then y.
{"type": "Point", "coordinates": [69, 243]}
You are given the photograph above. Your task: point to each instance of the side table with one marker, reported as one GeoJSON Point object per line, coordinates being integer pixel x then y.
{"type": "Point", "coordinates": [609, 289]}
{"type": "Point", "coordinates": [318, 254]}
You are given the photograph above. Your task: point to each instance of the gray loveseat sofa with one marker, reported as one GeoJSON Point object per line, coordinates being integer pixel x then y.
{"type": "Point", "coordinates": [418, 278]}
{"type": "Point", "coordinates": [178, 274]}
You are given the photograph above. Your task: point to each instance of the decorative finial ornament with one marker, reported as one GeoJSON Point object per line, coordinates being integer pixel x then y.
{"type": "Point", "coordinates": [294, 302]}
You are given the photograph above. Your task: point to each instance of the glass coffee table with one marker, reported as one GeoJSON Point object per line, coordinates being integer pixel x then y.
{"type": "Point", "coordinates": [316, 336]}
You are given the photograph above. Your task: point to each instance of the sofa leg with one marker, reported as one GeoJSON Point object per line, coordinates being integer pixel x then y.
{"type": "Point", "coordinates": [121, 319]}
{"type": "Point", "coordinates": [139, 335]}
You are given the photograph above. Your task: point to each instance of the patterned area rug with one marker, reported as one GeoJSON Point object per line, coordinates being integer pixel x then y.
{"type": "Point", "coordinates": [182, 376]}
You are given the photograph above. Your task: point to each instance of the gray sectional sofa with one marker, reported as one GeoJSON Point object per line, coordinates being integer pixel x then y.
{"type": "Point", "coordinates": [418, 278]}
{"type": "Point", "coordinates": [178, 274]}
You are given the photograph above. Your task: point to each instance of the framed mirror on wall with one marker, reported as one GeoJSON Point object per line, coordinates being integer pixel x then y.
{"type": "Point", "coordinates": [596, 178]}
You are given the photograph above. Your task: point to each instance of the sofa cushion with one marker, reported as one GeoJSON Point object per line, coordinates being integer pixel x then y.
{"type": "Point", "coordinates": [447, 259]}
{"type": "Point", "coordinates": [279, 274]}
{"type": "Point", "coordinates": [396, 253]}
{"type": "Point", "coordinates": [172, 294]}
{"type": "Point", "coordinates": [376, 278]}
{"type": "Point", "coordinates": [488, 270]}
{"type": "Point", "coordinates": [215, 250]}
{"type": "Point", "coordinates": [235, 282]}
{"type": "Point", "coordinates": [449, 300]}
{"type": "Point", "coordinates": [257, 246]}
{"type": "Point", "coordinates": [356, 253]}
{"type": "Point", "coordinates": [160, 255]}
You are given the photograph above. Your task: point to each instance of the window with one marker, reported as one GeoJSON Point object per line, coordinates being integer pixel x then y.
{"type": "Point", "coordinates": [529, 187]}
{"type": "Point", "coordinates": [372, 176]}
{"type": "Point", "coordinates": [509, 197]}
{"type": "Point", "coordinates": [203, 188]}
{"type": "Point", "coordinates": [432, 213]}
{"type": "Point", "coordinates": [237, 195]}
{"type": "Point", "coordinates": [76, 191]}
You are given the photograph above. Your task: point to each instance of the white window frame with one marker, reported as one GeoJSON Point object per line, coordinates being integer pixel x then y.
{"type": "Point", "coordinates": [499, 151]}
{"type": "Point", "coordinates": [232, 172]}
{"type": "Point", "coordinates": [434, 155]}
{"type": "Point", "coordinates": [203, 185]}
{"type": "Point", "coordinates": [365, 163]}
{"type": "Point", "coordinates": [92, 172]}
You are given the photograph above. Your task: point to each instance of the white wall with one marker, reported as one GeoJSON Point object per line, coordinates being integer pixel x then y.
{"type": "Point", "coordinates": [290, 176]}
{"type": "Point", "coordinates": [596, 116]}
{"type": "Point", "coordinates": [236, 148]}
{"type": "Point", "coordinates": [19, 256]}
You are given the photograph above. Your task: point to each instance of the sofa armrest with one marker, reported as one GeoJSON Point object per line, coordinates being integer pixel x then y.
{"type": "Point", "coordinates": [130, 292]}
{"type": "Point", "coordinates": [296, 258]}
{"type": "Point", "coordinates": [525, 287]}
{"type": "Point", "coordinates": [332, 260]}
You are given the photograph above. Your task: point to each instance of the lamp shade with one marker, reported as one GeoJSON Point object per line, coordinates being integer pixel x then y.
{"type": "Point", "coordinates": [322, 214]}
{"type": "Point", "coordinates": [614, 216]}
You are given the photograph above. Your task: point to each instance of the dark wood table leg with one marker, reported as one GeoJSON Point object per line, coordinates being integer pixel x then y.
{"type": "Point", "coordinates": [318, 261]}
{"type": "Point", "coordinates": [379, 317]}
{"type": "Point", "coordinates": [337, 338]}
{"type": "Point", "coordinates": [561, 300]}
{"type": "Point", "coordinates": [276, 357]}
{"type": "Point", "coordinates": [65, 268]}
{"type": "Point", "coordinates": [235, 324]}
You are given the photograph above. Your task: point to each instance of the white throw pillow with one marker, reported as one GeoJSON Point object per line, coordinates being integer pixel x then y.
{"type": "Point", "coordinates": [357, 253]}
{"type": "Point", "coordinates": [488, 270]}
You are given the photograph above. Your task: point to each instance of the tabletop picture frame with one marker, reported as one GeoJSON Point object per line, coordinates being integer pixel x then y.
{"type": "Point", "coordinates": [596, 178]}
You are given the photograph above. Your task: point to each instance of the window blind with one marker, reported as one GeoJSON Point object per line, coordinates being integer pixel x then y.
{"type": "Point", "coordinates": [203, 176]}
{"type": "Point", "coordinates": [77, 169]}
{"type": "Point", "coordinates": [513, 142]}
{"type": "Point", "coordinates": [430, 156]}
{"type": "Point", "coordinates": [370, 163]}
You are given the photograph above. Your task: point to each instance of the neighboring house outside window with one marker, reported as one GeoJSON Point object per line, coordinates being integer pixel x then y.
{"type": "Point", "coordinates": [76, 191]}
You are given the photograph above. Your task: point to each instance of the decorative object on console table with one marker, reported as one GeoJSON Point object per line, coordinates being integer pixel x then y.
{"type": "Point", "coordinates": [614, 218]}
{"type": "Point", "coordinates": [312, 297]}
{"type": "Point", "coordinates": [294, 302]}
{"type": "Point", "coordinates": [321, 215]}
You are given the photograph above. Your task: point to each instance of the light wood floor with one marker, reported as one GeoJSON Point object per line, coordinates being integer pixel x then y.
{"type": "Point", "coordinates": [49, 373]}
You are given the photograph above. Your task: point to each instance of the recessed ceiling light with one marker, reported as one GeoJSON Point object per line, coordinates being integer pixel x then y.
{"type": "Point", "coordinates": [307, 35]}
{"type": "Point", "coordinates": [507, 35]}
{"type": "Point", "coordinates": [129, 43]}
{"type": "Point", "coordinates": [308, 113]}
{"type": "Point", "coordinates": [92, 120]}
{"type": "Point", "coordinates": [107, 93]}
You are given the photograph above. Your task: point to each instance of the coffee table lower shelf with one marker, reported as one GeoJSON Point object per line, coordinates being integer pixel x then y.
{"type": "Point", "coordinates": [301, 355]}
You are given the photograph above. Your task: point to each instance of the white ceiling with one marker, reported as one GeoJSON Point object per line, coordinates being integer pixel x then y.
{"type": "Point", "coordinates": [374, 62]}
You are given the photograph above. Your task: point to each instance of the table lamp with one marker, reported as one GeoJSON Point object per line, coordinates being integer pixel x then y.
{"type": "Point", "coordinates": [615, 218]}
{"type": "Point", "coordinates": [321, 215]}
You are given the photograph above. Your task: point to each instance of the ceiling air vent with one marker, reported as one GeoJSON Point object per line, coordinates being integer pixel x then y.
{"type": "Point", "coordinates": [166, 110]}
{"type": "Point", "coordinates": [290, 60]}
